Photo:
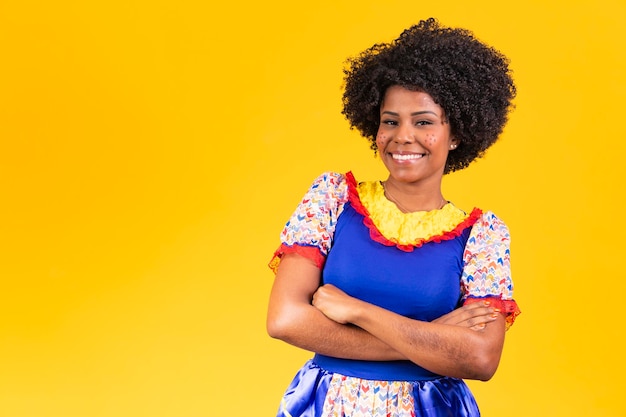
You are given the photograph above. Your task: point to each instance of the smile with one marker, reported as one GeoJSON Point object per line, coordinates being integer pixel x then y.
{"type": "Point", "coordinates": [399, 157]}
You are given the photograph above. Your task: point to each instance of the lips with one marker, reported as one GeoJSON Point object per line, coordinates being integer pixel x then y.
{"type": "Point", "coordinates": [407, 157]}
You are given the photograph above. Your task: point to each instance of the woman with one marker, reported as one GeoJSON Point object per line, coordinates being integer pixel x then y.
{"type": "Point", "coordinates": [400, 294]}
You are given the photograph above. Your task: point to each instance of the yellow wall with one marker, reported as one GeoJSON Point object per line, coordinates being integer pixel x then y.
{"type": "Point", "coordinates": [150, 152]}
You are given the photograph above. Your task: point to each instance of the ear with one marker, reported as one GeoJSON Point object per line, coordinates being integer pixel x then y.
{"type": "Point", "coordinates": [454, 142]}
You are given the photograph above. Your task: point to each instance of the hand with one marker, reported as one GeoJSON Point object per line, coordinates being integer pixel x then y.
{"type": "Point", "coordinates": [474, 316]}
{"type": "Point", "coordinates": [335, 304]}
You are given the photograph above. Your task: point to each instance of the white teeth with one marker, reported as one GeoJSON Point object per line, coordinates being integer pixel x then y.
{"type": "Point", "coordinates": [406, 157]}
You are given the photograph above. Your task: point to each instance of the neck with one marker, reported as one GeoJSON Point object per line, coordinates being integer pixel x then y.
{"type": "Point", "coordinates": [410, 198]}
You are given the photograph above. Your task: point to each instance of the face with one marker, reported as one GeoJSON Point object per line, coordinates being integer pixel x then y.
{"type": "Point", "coordinates": [413, 137]}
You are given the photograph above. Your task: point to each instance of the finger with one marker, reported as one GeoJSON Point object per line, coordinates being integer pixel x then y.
{"type": "Point", "coordinates": [483, 318]}
{"type": "Point", "coordinates": [315, 298]}
{"type": "Point", "coordinates": [468, 311]}
{"type": "Point", "coordinates": [478, 306]}
{"type": "Point", "coordinates": [477, 311]}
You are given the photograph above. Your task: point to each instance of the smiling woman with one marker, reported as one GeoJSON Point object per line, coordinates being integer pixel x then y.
{"type": "Point", "coordinates": [400, 294]}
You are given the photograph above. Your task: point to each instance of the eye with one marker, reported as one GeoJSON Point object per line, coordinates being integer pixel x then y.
{"type": "Point", "coordinates": [423, 123]}
{"type": "Point", "coordinates": [388, 122]}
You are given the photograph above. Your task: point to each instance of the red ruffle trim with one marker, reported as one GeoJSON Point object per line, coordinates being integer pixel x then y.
{"type": "Point", "coordinates": [375, 235]}
{"type": "Point", "coordinates": [509, 308]}
{"type": "Point", "coordinates": [309, 252]}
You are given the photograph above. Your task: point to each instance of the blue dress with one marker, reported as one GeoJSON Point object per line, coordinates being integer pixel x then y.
{"type": "Point", "coordinates": [420, 265]}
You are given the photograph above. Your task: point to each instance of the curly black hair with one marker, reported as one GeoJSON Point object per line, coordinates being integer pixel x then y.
{"type": "Point", "coordinates": [471, 81]}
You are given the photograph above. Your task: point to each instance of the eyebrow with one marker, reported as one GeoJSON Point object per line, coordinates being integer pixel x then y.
{"type": "Point", "coordinates": [417, 113]}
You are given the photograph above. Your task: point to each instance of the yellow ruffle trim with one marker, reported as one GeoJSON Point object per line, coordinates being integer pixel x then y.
{"type": "Point", "coordinates": [406, 228]}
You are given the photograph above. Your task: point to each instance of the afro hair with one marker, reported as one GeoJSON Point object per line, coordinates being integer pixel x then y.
{"type": "Point", "coordinates": [470, 80]}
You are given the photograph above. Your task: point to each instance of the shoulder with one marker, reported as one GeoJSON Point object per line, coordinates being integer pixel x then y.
{"type": "Point", "coordinates": [489, 228]}
{"type": "Point", "coordinates": [312, 224]}
{"type": "Point", "coordinates": [331, 179]}
{"type": "Point", "coordinates": [329, 185]}
{"type": "Point", "coordinates": [490, 218]}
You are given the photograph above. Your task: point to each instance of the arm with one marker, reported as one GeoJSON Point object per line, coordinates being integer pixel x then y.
{"type": "Point", "coordinates": [293, 319]}
{"type": "Point", "coordinates": [452, 350]}
{"type": "Point", "coordinates": [443, 346]}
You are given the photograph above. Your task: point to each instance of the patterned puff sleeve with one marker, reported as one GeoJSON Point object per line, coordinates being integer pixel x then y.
{"type": "Point", "coordinates": [487, 269]}
{"type": "Point", "coordinates": [309, 231]}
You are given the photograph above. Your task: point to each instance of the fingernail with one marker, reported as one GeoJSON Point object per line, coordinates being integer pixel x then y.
{"type": "Point", "coordinates": [494, 315]}
{"type": "Point", "coordinates": [487, 303]}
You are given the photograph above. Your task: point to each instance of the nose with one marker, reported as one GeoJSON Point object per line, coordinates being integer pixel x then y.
{"type": "Point", "coordinates": [404, 135]}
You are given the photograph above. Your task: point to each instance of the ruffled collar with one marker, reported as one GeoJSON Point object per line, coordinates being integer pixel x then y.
{"type": "Point", "coordinates": [391, 227]}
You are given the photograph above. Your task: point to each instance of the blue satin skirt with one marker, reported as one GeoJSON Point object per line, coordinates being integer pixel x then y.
{"type": "Point", "coordinates": [316, 392]}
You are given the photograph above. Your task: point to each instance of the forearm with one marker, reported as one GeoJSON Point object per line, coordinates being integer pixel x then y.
{"type": "Point", "coordinates": [444, 349]}
{"type": "Point", "coordinates": [306, 327]}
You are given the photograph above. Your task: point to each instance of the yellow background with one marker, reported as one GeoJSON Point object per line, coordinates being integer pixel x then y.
{"type": "Point", "coordinates": [151, 151]}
